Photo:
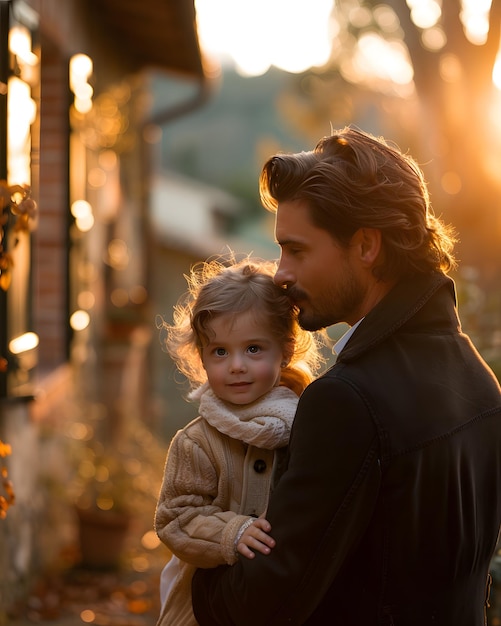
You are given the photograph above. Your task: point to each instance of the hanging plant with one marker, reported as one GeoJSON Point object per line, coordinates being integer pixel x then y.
{"type": "Point", "coordinates": [7, 498]}
{"type": "Point", "coordinates": [17, 209]}
{"type": "Point", "coordinates": [16, 205]}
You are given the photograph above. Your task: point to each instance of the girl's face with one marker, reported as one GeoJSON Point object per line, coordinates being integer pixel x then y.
{"type": "Point", "coordinates": [243, 358]}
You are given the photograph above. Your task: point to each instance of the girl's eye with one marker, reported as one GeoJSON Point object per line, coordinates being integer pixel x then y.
{"type": "Point", "coordinates": [253, 349]}
{"type": "Point", "coordinates": [219, 351]}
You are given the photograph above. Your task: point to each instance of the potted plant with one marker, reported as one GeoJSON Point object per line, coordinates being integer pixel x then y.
{"type": "Point", "coordinates": [103, 516]}
{"type": "Point", "coordinates": [115, 481]}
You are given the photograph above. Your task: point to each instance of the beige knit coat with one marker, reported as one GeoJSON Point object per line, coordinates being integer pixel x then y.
{"type": "Point", "coordinates": [214, 480]}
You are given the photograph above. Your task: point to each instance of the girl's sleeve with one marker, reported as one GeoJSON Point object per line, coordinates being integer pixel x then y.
{"type": "Point", "coordinates": [187, 519]}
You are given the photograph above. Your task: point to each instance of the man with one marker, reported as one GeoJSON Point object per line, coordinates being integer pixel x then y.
{"type": "Point", "coordinates": [389, 510]}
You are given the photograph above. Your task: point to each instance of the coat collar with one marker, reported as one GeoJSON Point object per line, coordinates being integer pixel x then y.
{"type": "Point", "coordinates": [403, 303]}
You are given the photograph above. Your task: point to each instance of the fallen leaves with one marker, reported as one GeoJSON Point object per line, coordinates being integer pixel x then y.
{"type": "Point", "coordinates": [116, 598]}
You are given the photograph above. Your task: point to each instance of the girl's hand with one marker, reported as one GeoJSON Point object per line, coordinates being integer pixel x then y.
{"type": "Point", "coordinates": [256, 538]}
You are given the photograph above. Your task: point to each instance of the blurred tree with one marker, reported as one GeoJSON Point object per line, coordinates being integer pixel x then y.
{"type": "Point", "coordinates": [421, 73]}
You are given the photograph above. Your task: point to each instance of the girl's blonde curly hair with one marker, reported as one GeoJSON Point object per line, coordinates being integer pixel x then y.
{"type": "Point", "coordinates": [217, 288]}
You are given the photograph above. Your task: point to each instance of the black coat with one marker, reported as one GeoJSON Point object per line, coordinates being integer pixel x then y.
{"type": "Point", "coordinates": [389, 510]}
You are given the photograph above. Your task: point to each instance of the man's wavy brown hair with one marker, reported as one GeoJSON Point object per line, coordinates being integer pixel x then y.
{"type": "Point", "coordinates": [354, 180]}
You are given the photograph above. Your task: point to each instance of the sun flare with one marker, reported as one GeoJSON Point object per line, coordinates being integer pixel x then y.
{"type": "Point", "coordinates": [290, 34]}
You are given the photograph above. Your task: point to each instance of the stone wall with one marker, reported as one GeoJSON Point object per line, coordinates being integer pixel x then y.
{"type": "Point", "coordinates": [38, 527]}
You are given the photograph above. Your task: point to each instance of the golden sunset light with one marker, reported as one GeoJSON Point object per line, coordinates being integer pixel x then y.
{"type": "Point", "coordinates": [289, 34]}
{"type": "Point", "coordinates": [293, 36]}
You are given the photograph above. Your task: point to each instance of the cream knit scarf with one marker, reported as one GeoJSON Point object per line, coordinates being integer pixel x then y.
{"type": "Point", "coordinates": [266, 423]}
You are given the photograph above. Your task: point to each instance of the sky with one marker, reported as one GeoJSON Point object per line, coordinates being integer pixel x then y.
{"type": "Point", "coordinates": [295, 35]}
{"type": "Point", "coordinates": [292, 35]}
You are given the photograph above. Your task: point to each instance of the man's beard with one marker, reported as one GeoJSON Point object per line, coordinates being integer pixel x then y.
{"type": "Point", "coordinates": [336, 305]}
{"type": "Point", "coordinates": [312, 322]}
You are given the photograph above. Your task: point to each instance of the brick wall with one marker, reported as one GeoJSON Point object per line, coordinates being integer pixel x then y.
{"type": "Point", "coordinates": [50, 239]}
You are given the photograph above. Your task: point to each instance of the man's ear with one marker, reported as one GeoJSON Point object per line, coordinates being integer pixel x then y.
{"type": "Point", "coordinates": [368, 243]}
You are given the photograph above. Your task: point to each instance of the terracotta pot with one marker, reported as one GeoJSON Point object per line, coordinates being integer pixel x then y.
{"type": "Point", "coordinates": [102, 537]}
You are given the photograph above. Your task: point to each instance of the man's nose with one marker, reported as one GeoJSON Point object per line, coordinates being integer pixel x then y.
{"type": "Point", "coordinates": [283, 276]}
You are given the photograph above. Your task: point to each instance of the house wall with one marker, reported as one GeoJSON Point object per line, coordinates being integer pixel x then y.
{"type": "Point", "coordinates": [34, 427]}
{"type": "Point", "coordinates": [41, 464]}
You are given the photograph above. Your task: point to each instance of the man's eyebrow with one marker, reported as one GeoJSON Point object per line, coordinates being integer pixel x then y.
{"type": "Point", "coordinates": [289, 242]}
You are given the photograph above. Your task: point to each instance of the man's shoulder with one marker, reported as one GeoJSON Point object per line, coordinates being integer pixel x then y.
{"type": "Point", "coordinates": [339, 385]}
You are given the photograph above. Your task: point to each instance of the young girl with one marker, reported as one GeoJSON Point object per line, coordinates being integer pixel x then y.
{"type": "Point", "coordinates": [236, 338]}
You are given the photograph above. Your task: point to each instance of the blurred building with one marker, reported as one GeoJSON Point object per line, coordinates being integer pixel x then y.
{"type": "Point", "coordinates": [76, 129]}
{"type": "Point", "coordinates": [190, 221]}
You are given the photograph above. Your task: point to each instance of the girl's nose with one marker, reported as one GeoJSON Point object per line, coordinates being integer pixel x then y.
{"type": "Point", "coordinates": [237, 363]}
